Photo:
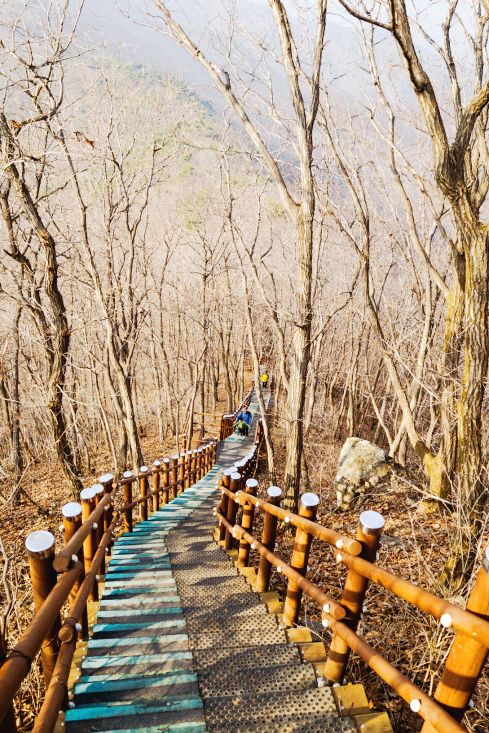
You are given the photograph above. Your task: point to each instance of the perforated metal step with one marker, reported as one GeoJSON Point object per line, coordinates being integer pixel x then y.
{"type": "Point", "coordinates": [245, 657]}
{"type": "Point", "coordinates": [288, 711]}
{"type": "Point", "coordinates": [257, 679]}
{"type": "Point", "coordinates": [253, 637]}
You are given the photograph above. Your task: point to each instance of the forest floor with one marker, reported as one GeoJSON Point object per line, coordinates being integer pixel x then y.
{"type": "Point", "coordinates": [415, 546]}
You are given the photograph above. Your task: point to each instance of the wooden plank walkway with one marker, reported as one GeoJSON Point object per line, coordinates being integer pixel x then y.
{"type": "Point", "coordinates": [182, 644]}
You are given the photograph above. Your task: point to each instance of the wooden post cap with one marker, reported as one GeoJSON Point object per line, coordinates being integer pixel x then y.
{"type": "Point", "coordinates": [87, 494]}
{"type": "Point", "coordinates": [228, 472]}
{"type": "Point", "coordinates": [175, 458]}
{"type": "Point", "coordinates": [251, 483]}
{"type": "Point", "coordinates": [106, 478]}
{"type": "Point", "coordinates": [98, 489]}
{"type": "Point", "coordinates": [40, 544]}
{"type": "Point", "coordinates": [156, 463]}
{"type": "Point", "coordinates": [143, 469]}
{"type": "Point", "coordinates": [274, 492]}
{"type": "Point", "coordinates": [309, 500]}
{"type": "Point", "coordinates": [127, 474]}
{"type": "Point", "coordinates": [371, 523]}
{"type": "Point", "coordinates": [235, 476]}
{"type": "Point", "coordinates": [166, 460]}
{"type": "Point", "coordinates": [71, 511]}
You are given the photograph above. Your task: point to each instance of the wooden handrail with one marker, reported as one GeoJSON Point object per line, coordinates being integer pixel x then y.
{"type": "Point", "coordinates": [429, 709]}
{"type": "Point", "coordinates": [441, 714]}
{"type": "Point", "coordinates": [327, 535]}
{"type": "Point", "coordinates": [312, 590]}
{"type": "Point", "coordinates": [63, 558]}
{"type": "Point", "coordinates": [18, 661]}
{"type": "Point", "coordinates": [461, 620]}
{"type": "Point", "coordinates": [17, 664]}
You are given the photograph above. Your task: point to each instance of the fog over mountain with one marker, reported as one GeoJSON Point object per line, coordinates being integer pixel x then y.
{"type": "Point", "coordinates": [106, 24]}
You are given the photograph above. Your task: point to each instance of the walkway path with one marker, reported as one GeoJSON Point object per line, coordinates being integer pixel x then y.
{"type": "Point", "coordinates": [182, 644]}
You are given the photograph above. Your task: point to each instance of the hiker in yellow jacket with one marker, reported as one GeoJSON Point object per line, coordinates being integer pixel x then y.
{"type": "Point", "coordinates": [264, 379]}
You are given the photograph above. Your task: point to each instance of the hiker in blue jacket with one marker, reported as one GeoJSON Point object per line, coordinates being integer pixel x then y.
{"type": "Point", "coordinates": [246, 418]}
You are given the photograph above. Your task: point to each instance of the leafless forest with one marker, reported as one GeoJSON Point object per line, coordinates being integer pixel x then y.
{"type": "Point", "coordinates": [326, 216]}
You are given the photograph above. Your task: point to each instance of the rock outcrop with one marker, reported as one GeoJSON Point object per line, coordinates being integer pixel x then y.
{"type": "Point", "coordinates": [361, 466]}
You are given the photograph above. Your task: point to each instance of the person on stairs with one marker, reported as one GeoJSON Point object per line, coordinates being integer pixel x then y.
{"type": "Point", "coordinates": [244, 417]}
{"type": "Point", "coordinates": [264, 379]}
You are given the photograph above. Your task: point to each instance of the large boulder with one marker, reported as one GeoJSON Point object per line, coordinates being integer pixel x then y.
{"type": "Point", "coordinates": [361, 466]}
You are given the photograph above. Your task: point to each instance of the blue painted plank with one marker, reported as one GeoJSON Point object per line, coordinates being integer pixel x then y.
{"type": "Point", "coordinates": [127, 612]}
{"type": "Point", "coordinates": [108, 710]}
{"type": "Point", "coordinates": [136, 684]}
{"type": "Point", "coordinates": [141, 583]}
{"type": "Point", "coordinates": [116, 575]}
{"type": "Point", "coordinates": [113, 676]}
{"type": "Point", "coordinates": [136, 641]}
{"type": "Point", "coordinates": [168, 624]}
{"type": "Point", "coordinates": [112, 592]}
{"type": "Point", "coordinates": [175, 728]}
{"type": "Point", "coordinates": [133, 659]}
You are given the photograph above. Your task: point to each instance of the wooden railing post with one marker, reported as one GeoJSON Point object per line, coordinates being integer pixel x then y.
{"type": "Point", "coordinates": [87, 498]}
{"type": "Point", "coordinates": [40, 551]}
{"type": "Point", "coordinates": [72, 521]}
{"type": "Point", "coordinates": [466, 658]}
{"type": "Point", "coordinates": [226, 481]}
{"type": "Point", "coordinates": [99, 493]}
{"type": "Point", "coordinates": [187, 470]}
{"type": "Point", "coordinates": [127, 501]}
{"type": "Point", "coordinates": [106, 481]}
{"type": "Point", "coordinates": [300, 557]}
{"type": "Point", "coordinates": [247, 523]}
{"type": "Point", "coordinates": [166, 479]}
{"type": "Point", "coordinates": [200, 464]}
{"type": "Point", "coordinates": [204, 456]}
{"type": "Point", "coordinates": [235, 485]}
{"type": "Point", "coordinates": [368, 533]}
{"type": "Point", "coordinates": [174, 477]}
{"type": "Point", "coordinates": [156, 486]}
{"type": "Point", "coordinates": [194, 467]}
{"type": "Point", "coordinates": [181, 473]}
{"type": "Point", "coordinates": [274, 496]}
{"type": "Point", "coordinates": [143, 491]}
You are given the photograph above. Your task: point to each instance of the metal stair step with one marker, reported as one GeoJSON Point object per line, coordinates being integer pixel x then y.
{"type": "Point", "coordinates": [246, 657]}
{"type": "Point", "coordinates": [276, 678]}
{"type": "Point", "coordinates": [253, 637]}
{"type": "Point", "coordinates": [260, 709]}
{"type": "Point", "coordinates": [218, 623]}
